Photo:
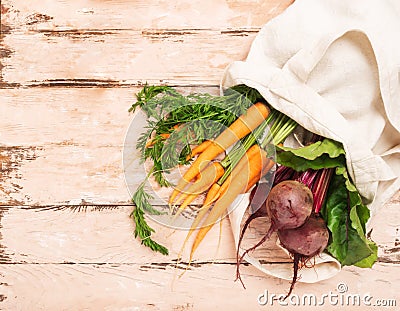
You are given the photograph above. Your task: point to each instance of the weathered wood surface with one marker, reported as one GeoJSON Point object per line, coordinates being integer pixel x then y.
{"type": "Point", "coordinates": [69, 70]}
{"type": "Point", "coordinates": [123, 57]}
{"type": "Point", "coordinates": [137, 287]}
{"type": "Point", "coordinates": [126, 40]}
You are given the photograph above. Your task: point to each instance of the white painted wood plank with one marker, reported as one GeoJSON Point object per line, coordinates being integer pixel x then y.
{"type": "Point", "coordinates": [102, 234]}
{"type": "Point", "coordinates": [65, 145]}
{"type": "Point", "coordinates": [65, 116]}
{"type": "Point", "coordinates": [93, 257]}
{"type": "Point", "coordinates": [132, 287]}
{"type": "Point", "coordinates": [64, 174]}
{"type": "Point", "coordinates": [120, 14]}
{"type": "Point", "coordinates": [95, 117]}
{"type": "Point", "coordinates": [122, 56]}
{"type": "Point", "coordinates": [96, 234]}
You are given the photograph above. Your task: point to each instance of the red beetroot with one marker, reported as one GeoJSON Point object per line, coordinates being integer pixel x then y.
{"type": "Point", "coordinates": [288, 204]}
{"type": "Point", "coordinates": [304, 242]}
{"type": "Point", "coordinates": [309, 240]}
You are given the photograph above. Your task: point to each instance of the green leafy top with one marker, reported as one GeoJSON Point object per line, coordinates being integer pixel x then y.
{"type": "Point", "coordinates": [326, 153]}
{"type": "Point", "coordinates": [166, 109]}
{"type": "Point", "coordinates": [312, 151]}
{"type": "Point", "coordinates": [188, 120]}
{"type": "Point", "coordinates": [346, 216]}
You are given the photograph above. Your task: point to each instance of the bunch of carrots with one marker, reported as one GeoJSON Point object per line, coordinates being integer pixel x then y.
{"type": "Point", "coordinates": [247, 162]}
{"type": "Point", "coordinates": [239, 154]}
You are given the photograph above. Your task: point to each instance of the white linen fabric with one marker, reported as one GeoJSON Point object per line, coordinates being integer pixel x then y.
{"type": "Point", "coordinates": [334, 67]}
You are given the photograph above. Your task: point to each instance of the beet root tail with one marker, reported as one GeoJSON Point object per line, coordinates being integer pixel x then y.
{"type": "Point", "coordinates": [245, 226]}
{"type": "Point", "coordinates": [297, 258]}
{"type": "Point", "coordinates": [239, 261]}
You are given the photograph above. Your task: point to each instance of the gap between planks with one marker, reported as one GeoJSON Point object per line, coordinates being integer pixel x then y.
{"type": "Point", "coordinates": [125, 56]}
{"type": "Point", "coordinates": [121, 287]}
{"type": "Point", "coordinates": [98, 83]}
{"type": "Point", "coordinates": [62, 234]}
{"type": "Point", "coordinates": [64, 145]}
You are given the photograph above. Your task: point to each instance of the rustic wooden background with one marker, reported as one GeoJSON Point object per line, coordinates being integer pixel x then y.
{"type": "Point", "coordinates": [69, 71]}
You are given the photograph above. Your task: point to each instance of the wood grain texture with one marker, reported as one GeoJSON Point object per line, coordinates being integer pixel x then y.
{"type": "Point", "coordinates": [133, 287]}
{"type": "Point", "coordinates": [69, 71]}
{"type": "Point", "coordinates": [91, 254]}
{"type": "Point", "coordinates": [64, 145]}
{"type": "Point", "coordinates": [103, 234]}
{"type": "Point", "coordinates": [96, 117]}
{"type": "Point", "coordinates": [139, 14]}
{"type": "Point", "coordinates": [97, 234]}
{"type": "Point", "coordinates": [125, 40]}
{"type": "Point", "coordinates": [123, 57]}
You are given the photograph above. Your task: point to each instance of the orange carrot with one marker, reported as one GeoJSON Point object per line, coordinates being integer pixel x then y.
{"type": "Point", "coordinates": [256, 156]}
{"type": "Point", "coordinates": [246, 123]}
{"type": "Point", "coordinates": [199, 149]}
{"type": "Point", "coordinates": [266, 168]}
{"type": "Point", "coordinates": [208, 177]}
{"type": "Point", "coordinates": [247, 170]}
{"type": "Point", "coordinates": [205, 179]}
{"type": "Point", "coordinates": [153, 141]}
{"type": "Point", "coordinates": [218, 210]}
{"type": "Point", "coordinates": [199, 217]}
{"type": "Point", "coordinates": [189, 198]}
{"type": "Point", "coordinates": [212, 194]}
